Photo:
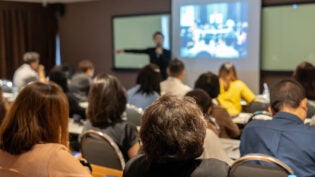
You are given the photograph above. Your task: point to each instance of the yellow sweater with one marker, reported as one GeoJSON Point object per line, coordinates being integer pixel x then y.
{"type": "Point", "coordinates": [231, 99]}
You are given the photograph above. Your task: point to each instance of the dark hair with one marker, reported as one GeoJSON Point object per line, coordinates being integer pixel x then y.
{"type": "Point", "coordinates": [176, 67]}
{"type": "Point", "coordinates": [286, 93]}
{"type": "Point", "coordinates": [149, 79]}
{"type": "Point", "coordinates": [85, 65]}
{"type": "Point", "coordinates": [202, 99]}
{"type": "Point", "coordinates": [172, 129]}
{"type": "Point", "coordinates": [208, 82]}
{"type": "Point", "coordinates": [304, 74]}
{"type": "Point", "coordinates": [158, 33]}
{"type": "Point", "coordinates": [107, 100]}
{"type": "Point", "coordinates": [59, 77]}
{"type": "Point", "coordinates": [227, 69]}
{"type": "Point", "coordinates": [38, 115]}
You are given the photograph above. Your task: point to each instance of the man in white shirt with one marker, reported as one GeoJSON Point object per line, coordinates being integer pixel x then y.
{"type": "Point", "coordinates": [173, 84]}
{"type": "Point", "coordinates": [30, 71]}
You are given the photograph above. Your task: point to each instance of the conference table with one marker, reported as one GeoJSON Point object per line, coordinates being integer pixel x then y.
{"type": "Point", "coordinates": [100, 171]}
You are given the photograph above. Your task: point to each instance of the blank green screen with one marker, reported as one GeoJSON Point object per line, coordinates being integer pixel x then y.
{"type": "Point", "coordinates": [288, 36]}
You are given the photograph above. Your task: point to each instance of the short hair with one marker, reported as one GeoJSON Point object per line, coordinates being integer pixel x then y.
{"type": "Point", "coordinates": [30, 57]}
{"type": "Point", "coordinates": [286, 93]}
{"type": "Point", "coordinates": [107, 100]}
{"type": "Point", "coordinates": [38, 115]}
{"type": "Point", "coordinates": [203, 100]}
{"type": "Point", "coordinates": [59, 77]}
{"type": "Point", "coordinates": [208, 82]}
{"type": "Point", "coordinates": [176, 67]}
{"type": "Point", "coordinates": [158, 33]}
{"type": "Point", "coordinates": [227, 69]}
{"type": "Point", "coordinates": [172, 129]}
{"type": "Point", "coordinates": [304, 74]}
{"type": "Point", "coordinates": [85, 65]}
{"type": "Point", "coordinates": [149, 79]}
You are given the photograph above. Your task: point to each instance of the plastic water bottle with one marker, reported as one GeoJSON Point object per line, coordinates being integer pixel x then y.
{"type": "Point", "coordinates": [291, 175]}
{"type": "Point", "coordinates": [266, 93]}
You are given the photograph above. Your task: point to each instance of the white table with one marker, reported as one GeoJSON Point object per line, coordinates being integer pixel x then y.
{"type": "Point", "coordinates": [231, 147]}
{"type": "Point", "coordinates": [74, 128]}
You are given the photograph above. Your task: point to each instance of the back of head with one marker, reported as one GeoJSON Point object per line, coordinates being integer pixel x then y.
{"type": "Point", "coordinates": [208, 82]}
{"type": "Point", "coordinates": [30, 57]}
{"type": "Point", "coordinates": [202, 99]}
{"type": "Point", "coordinates": [176, 67]}
{"type": "Point", "coordinates": [149, 79]}
{"type": "Point", "coordinates": [228, 71]}
{"type": "Point", "coordinates": [85, 65]}
{"type": "Point", "coordinates": [38, 115]}
{"type": "Point", "coordinates": [59, 77]}
{"type": "Point", "coordinates": [304, 74]}
{"type": "Point", "coordinates": [107, 100]}
{"type": "Point", "coordinates": [172, 129]}
{"type": "Point", "coordinates": [286, 93]}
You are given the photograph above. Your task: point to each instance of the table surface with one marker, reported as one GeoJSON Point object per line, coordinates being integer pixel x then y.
{"type": "Point", "coordinates": [231, 147]}
{"type": "Point", "coordinates": [100, 171]}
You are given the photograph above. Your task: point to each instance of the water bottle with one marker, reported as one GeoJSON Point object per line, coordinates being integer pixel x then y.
{"type": "Point", "coordinates": [266, 93]}
{"type": "Point", "coordinates": [292, 175]}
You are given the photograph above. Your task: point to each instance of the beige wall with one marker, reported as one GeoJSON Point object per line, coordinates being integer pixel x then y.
{"type": "Point", "coordinates": [86, 31]}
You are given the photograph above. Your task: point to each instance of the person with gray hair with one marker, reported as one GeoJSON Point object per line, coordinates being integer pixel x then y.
{"type": "Point", "coordinates": [30, 71]}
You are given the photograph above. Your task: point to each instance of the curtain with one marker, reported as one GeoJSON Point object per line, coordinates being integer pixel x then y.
{"type": "Point", "coordinates": [25, 27]}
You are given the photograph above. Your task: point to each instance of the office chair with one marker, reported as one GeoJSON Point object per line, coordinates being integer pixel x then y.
{"type": "Point", "coordinates": [99, 149]}
{"type": "Point", "coordinates": [260, 115]}
{"type": "Point", "coordinates": [242, 167]}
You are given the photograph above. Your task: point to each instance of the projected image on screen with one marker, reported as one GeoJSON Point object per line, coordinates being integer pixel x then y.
{"type": "Point", "coordinates": [215, 30]}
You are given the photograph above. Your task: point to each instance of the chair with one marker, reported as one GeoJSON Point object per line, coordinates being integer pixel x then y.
{"type": "Point", "coordinates": [134, 114]}
{"type": "Point", "coordinates": [260, 115]}
{"type": "Point", "coordinates": [100, 149]}
{"type": "Point", "coordinates": [241, 167]}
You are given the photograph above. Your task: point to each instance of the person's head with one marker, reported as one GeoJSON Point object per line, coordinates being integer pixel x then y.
{"type": "Point", "coordinates": [59, 77]}
{"type": "Point", "coordinates": [158, 38]}
{"type": "Point", "coordinates": [149, 79]}
{"type": "Point", "coordinates": [32, 59]}
{"type": "Point", "coordinates": [288, 96]}
{"type": "Point", "coordinates": [87, 67]}
{"type": "Point", "coordinates": [203, 100]}
{"type": "Point", "coordinates": [227, 72]}
{"type": "Point", "coordinates": [176, 68]}
{"type": "Point", "coordinates": [304, 74]}
{"type": "Point", "coordinates": [208, 82]}
{"type": "Point", "coordinates": [38, 115]}
{"type": "Point", "coordinates": [107, 100]}
{"type": "Point", "coordinates": [172, 129]}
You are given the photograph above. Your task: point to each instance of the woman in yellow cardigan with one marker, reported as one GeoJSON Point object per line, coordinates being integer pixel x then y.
{"type": "Point", "coordinates": [233, 90]}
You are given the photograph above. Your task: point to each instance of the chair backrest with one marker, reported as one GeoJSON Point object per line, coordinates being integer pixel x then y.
{"type": "Point", "coordinates": [260, 115]}
{"type": "Point", "coordinates": [100, 149]}
{"type": "Point", "coordinates": [242, 167]}
{"type": "Point", "coordinates": [257, 106]}
{"type": "Point", "coordinates": [134, 114]}
{"type": "Point", "coordinates": [10, 173]}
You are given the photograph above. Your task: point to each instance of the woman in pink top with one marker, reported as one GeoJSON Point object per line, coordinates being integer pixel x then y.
{"type": "Point", "coordinates": [34, 135]}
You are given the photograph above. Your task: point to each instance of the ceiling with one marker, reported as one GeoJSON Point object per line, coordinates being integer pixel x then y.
{"type": "Point", "coordinates": [50, 1]}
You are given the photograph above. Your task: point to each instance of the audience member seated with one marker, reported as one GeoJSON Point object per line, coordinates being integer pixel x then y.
{"type": "Point", "coordinates": [285, 137]}
{"type": "Point", "coordinates": [209, 82]}
{"type": "Point", "coordinates": [304, 74]}
{"type": "Point", "coordinates": [30, 71]}
{"type": "Point", "coordinates": [232, 90]}
{"type": "Point", "coordinates": [212, 145]}
{"type": "Point", "coordinates": [173, 84]}
{"type": "Point", "coordinates": [172, 134]}
{"type": "Point", "coordinates": [3, 108]}
{"type": "Point", "coordinates": [34, 136]}
{"type": "Point", "coordinates": [147, 89]}
{"type": "Point", "coordinates": [81, 81]}
{"type": "Point", "coordinates": [59, 77]}
{"type": "Point", "coordinates": [107, 102]}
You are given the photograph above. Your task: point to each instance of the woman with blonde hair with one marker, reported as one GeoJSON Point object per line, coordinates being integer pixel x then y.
{"type": "Point", "coordinates": [34, 134]}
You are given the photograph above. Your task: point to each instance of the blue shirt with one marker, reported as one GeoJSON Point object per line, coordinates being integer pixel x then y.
{"type": "Point", "coordinates": [141, 100]}
{"type": "Point", "coordinates": [285, 137]}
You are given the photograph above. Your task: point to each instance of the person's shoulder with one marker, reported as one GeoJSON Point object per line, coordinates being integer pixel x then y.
{"type": "Point", "coordinates": [133, 90]}
{"type": "Point", "coordinates": [136, 166]}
